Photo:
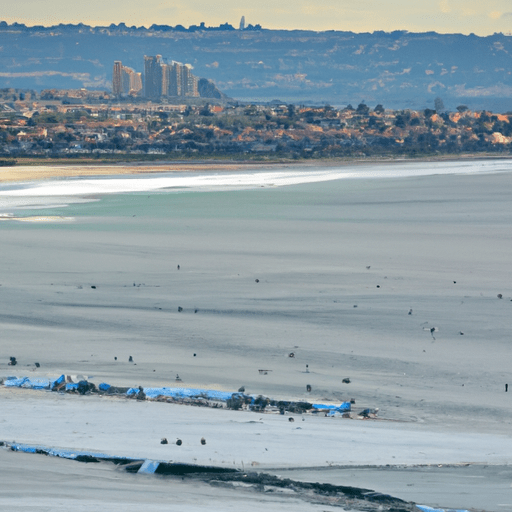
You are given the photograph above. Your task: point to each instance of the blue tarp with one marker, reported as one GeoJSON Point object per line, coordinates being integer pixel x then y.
{"type": "Point", "coordinates": [424, 508]}
{"type": "Point", "coordinates": [30, 383]}
{"type": "Point", "coordinates": [64, 454]}
{"type": "Point", "coordinates": [344, 407]}
{"type": "Point", "coordinates": [149, 466]}
{"type": "Point", "coordinates": [209, 394]}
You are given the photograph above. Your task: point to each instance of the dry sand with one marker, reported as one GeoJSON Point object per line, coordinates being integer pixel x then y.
{"type": "Point", "coordinates": [43, 172]}
{"type": "Point", "coordinates": [439, 245]}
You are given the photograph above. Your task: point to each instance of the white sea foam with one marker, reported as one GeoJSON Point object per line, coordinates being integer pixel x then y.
{"type": "Point", "coordinates": [23, 195]}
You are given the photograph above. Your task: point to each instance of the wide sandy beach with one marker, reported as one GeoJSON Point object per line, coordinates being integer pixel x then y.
{"type": "Point", "coordinates": [401, 284]}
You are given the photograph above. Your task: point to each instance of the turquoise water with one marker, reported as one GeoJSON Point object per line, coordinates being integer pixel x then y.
{"type": "Point", "coordinates": [149, 209]}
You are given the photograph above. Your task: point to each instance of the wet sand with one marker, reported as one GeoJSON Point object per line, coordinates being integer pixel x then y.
{"type": "Point", "coordinates": [438, 245]}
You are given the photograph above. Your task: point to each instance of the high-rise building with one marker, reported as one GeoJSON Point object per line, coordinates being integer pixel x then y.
{"type": "Point", "coordinates": [117, 80]}
{"type": "Point", "coordinates": [172, 79]}
{"type": "Point", "coordinates": [188, 81]}
{"type": "Point", "coordinates": [125, 80]}
{"type": "Point", "coordinates": [153, 76]}
{"type": "Point", "coordinates": [175, 78]}
{"type": "Point", "coordinates": [132, 81]}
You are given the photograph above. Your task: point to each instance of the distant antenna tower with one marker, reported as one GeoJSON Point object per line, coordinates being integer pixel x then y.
{"type": "Point", "coordinates": [242, 23]}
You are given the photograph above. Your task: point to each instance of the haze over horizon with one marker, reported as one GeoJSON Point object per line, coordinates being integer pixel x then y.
{"type": "Point", "coordinates": [443, 16]}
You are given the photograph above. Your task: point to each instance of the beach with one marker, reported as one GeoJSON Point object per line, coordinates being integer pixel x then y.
{"type": "Point", "coordinates": [395, 276]}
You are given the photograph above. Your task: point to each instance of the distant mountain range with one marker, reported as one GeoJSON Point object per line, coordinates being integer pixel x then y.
{"type": "Point", "coordinates": [397, 69]}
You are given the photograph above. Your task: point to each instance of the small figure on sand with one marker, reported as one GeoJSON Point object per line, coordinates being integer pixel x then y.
{"type": "Point", "coordinates": [141, 395]}
{"type": "Point", "coordinates": [369, 413]}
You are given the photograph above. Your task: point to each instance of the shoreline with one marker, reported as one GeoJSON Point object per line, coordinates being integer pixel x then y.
{"type": "Point", "coordinates": [55, 169]}
{"type": "Point", "coordinates": [392, 293]}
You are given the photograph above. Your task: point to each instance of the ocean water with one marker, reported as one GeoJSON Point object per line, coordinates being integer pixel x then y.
{"type": "Point", "coordinates": [57, 193]}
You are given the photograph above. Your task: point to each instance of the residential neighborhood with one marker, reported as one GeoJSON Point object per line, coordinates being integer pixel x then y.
{"type": "Point", "coordinates": [80, 123]}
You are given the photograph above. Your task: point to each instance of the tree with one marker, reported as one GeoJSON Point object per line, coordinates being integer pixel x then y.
{"type": "Point", "coordinates": [462, 108]}
{"type": "Point", "coordinates": [363, 109]}
{"type": "Point", "coordinates": [379, 109]}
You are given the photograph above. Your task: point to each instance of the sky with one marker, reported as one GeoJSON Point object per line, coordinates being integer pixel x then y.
{"type": "Point", "coordinates": [444, 16]}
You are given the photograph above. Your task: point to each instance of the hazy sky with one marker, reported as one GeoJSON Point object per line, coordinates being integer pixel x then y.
{"type": "Point", "coordinates": [461, 16]}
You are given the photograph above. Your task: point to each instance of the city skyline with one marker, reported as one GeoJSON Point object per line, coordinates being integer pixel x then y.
{"type": "Point", "coordinates": [443, 16]}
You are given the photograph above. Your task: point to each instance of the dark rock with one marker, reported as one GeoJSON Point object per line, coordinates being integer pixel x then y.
{"type": "Point", "coordinates": [260, 403]}
{"type": "Point", "coordinates": [180, 309]}
{"type": "Point", "coordinates": [164, 441]}
{"type": "Point", "coordinates": [83, 387]}
{"type": "Point", "coordinates": [308, 388]}
{"type": "Point", "coordinates": [93, 287]}
{"type": "Point", "coordinates": [203, 441]}
{"type": "Point", "coordinates": [346, 381]}
{"type": "Point", "coordinates": [291, 420]}
{"type": "Point", "coordinates": [366, 413]}
{"type": "Point", "coordinates": [141, 395]}
{"type": "Point", "coordinates": [241, 389]}
{"type": "Point", "coordinates": [12, 361]}
{"type": "Point", "coordinates": [235, 402]}
{"type": "Point", "coordinates": [179, 442]}
{"type": "Point", "coordinates": [257, 280]}
{"type": "Point", "coordinates": [37, 365]}
{"type": "Point", "coordinates": [130, 359]}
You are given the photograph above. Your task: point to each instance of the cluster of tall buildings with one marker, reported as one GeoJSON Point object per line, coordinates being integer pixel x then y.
{"type": "Point", "coordinates": [161, 79]}
{"type": "Point", "coordinates": [125, 81]}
